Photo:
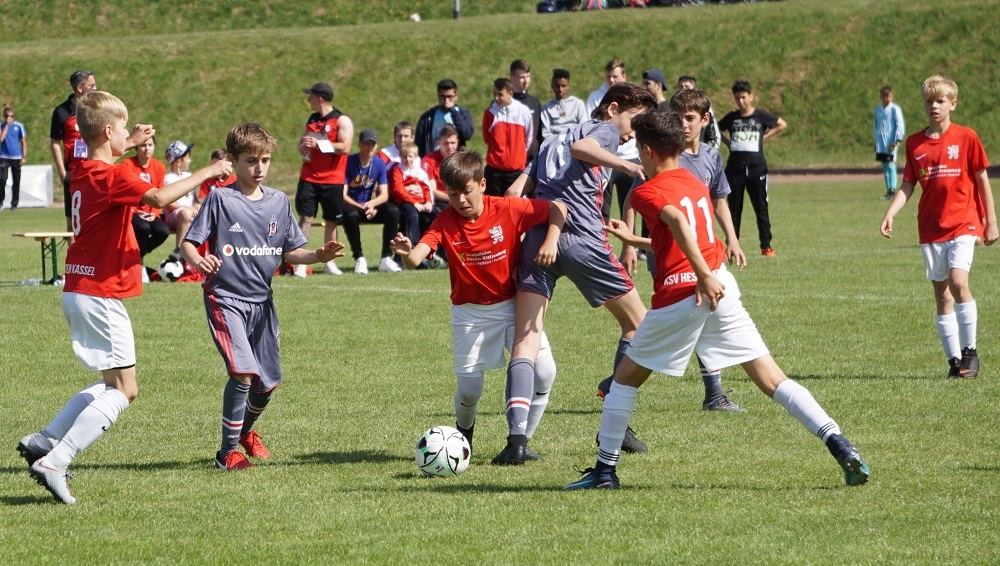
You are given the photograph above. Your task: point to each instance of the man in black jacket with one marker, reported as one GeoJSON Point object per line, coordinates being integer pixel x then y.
{"type": "Point", "coordinates": [446, 113]}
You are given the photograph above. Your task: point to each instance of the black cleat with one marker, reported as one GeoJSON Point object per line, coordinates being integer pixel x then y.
{"type": "Point", "coordinates": [511, 455]}
{"type": "Point", "coordinates": [531, 455]}
{"type": "Point", "coordinates": [630, 443]}
{"type": "Point", "coordinates": [856, 471]}
{"type": "Point", "coordinates": [969, 367]}
{"type": "Point", "coordinates": [722, 403]}
{"type": "Point", "coordinates": [467, 433]}
{"type": "Point", "coordinates": [604, 387]}
{"type": "Point", "coordinates": [592, 479]}
{"type": "Point", "coordinates": [954, 365]}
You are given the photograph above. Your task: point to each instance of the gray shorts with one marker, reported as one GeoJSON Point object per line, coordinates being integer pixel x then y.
{"type": "Point", "coordinates": [590, 264]}
{"type": "Point", "coordinates": [246, 335]}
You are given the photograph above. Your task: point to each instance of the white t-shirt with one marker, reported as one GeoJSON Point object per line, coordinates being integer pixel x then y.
{"type": "Point", "coordinates": [171, 177]}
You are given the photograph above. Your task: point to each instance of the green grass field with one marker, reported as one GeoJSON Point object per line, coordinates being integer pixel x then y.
{"type": "Point", "coordinates": [368, 368]}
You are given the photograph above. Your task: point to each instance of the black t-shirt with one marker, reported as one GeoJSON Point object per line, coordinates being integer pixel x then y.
{"type": "Point", "coordinates": [536, 118]}
{"type": "Point", "coordinates": [746, 134]}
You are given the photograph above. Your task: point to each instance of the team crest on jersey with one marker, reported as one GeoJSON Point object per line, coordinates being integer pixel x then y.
{"type": "Point", "coordinates": [952, 152]}
{"type": "Point", "coordinates": [272, 226]}
{"type": "Point", "coordinates": [146, 177]}
{"type": "Point", "coordinates": [328, 128]}
{"type": "Point", "coordinates": [497, 233]}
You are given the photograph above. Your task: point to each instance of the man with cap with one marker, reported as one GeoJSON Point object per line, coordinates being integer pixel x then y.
{"type": "Point", "coordinates": [656, 84]}
{"type": "Point", "coordinates": [324, 148]}
{"type": "Point", "coordinates": [366, 199]}
{"type": "Point", "coordinates": [179, 214]}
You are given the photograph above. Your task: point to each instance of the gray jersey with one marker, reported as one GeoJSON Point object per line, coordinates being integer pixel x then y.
{"type": "Point", "coordinates": [249, 236]}
{"type": "Point", "coordinates": [577, 184]}
{"type": "Point", "coordinates": [707, 168]}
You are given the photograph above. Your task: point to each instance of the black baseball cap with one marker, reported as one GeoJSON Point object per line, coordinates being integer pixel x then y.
{"type": "Point", "coordinates": [322, 90]}
{"type": "Point", "coordinates": [656, 76]}
{"type": "Point", "coordinates": [368, 136]}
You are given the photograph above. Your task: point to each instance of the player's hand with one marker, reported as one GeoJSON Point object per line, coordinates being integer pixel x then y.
{"type": "Point", "coordinates": [634, 170]}
{"type": "Point", "coordinates": [886, 227]}
{"type": "Point", "coordinates": [401, 244]}
{"type": "Point", "coordinates": [308, 141]}
{"type": "Point", "coordinates": [140, 133]}
{"type": "Point", "coordinates": [369, 211]}
{"type": "Point", "coordinates": [329, 252]}
{"type": "Point", "coordinates": [220, 169]}
{"type": "Point", "coordinates": [617, 228]}
{"type": "Point", "coordinates": [991, 234]}
{"type": "Point", "coordinates": [209, 264]}
{"type": "Point", "coordinates": [711, 288]}
{"type": "Point", "coordinates": [629, 258]}
{"type": "Point", "coordinates": [736, 256]}
{"type": "Point", "coordinates": [546, 255]}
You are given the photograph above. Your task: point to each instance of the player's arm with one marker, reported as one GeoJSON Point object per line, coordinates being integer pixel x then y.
{"type": "Point", "coordinates": [629, 258]}
{"type": "Point", "coordinates": [351, 202]}
{"type": "Point", "coordinates": [3, 130]}
{"type": "Point", "coordinates": [777, 129]}
{"type": "Point", "coordinates": [57, 156]}
{"type": "Point", "coordinates": [205, 264]}
{"type": "Point", "coordinates": [549, 249]}
{"type": "Point", "coordinates": [708, 284]}
{"type": "Point", "coordinates": [411, 255]}
{"type": "Point", "coordinates": [463, 122]}
{"type": "Point", "coordinates": [590, 151]}
{"type": "Point", "coordinates": [306, 144]}
{"type": "Point", "coordinates": [521, 186]}
{"type": "Point", "coordinates": [620, 230]}
{"type": "Point", "coordinates": [990, 221]}
{"type": "Point", "coordinates": [327, 252]}
{"type": "Point", "coordinates": [898, 202]}
{"type": "Point", "coordinates": [140, 133]}
{"type": "Point", "coordinates": [733, 250]}
{"type": "Point", "coordinates": [345, 135]}
{"type": "Point", "coordinates": [163, 196]}
{"type": "Point", "coordinates": [24, 149]}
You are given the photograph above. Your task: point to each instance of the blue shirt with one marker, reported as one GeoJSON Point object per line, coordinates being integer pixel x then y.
{"type": "Point", "coordinates": [11, 146]}
{"type": "Point", "coordinates": [361, 181]}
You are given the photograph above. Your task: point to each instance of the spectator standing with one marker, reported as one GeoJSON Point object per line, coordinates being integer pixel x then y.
{"type": "Point", "coordinates": [446, 113]}
{"type": "Point", "coordinates": [656, 84]}
{"type": "Point", "coordinates": [68, 148]}
{"type": "Point", "coordinates": [520, 80]}
{"type": "Point", "coordinates": [324, 147]}
{"type": "Point", "coordinates": [889, 131]}
{"type": "Point", "coordinates": [564, 110]}
{"type": "Point", "coordinates": [507, 131]}
{"type": "Point", "coordinates": [13, 151]}
{"type": "Point", "coordinates": [614, 73]}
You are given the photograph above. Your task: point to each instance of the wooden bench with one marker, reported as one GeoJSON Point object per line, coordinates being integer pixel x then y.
{"type": "Point", "coordinates": [50, 243]}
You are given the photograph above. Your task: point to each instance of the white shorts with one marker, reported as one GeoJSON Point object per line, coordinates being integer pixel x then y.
{"type": "Point", "coordinates": [481, 333]}
{"type": "Point", "coordinates": [940, 257]}
{"type": "Point", "coordinates": [101, 331]}
{"type": "Point", "coordinates": [722, 338]}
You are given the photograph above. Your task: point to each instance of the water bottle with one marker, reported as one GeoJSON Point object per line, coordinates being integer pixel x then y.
{"type": "Point", "coordinates": [29, 283]}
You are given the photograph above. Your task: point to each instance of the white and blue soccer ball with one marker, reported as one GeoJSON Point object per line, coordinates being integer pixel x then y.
{"type": "Point", "coordinates": [171, 269]}
{"type": "Point", "coordinates": [443, 451]}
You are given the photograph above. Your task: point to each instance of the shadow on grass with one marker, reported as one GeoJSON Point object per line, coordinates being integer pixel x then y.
{"type": "Point", "coordinates": [356, 457]}
{"type": "Point", "coordinates": [141, 467]}
{"type": "Point", "coordinates": [762, 488]}
{"type": "Point", "coordinates": [29, 500]}
{"type": "Point", "coordinates": [980, 468]}
{"type": "Point", "coordinates": [438, 485]}
{"type": "Point", "coordinates": [839, 377]}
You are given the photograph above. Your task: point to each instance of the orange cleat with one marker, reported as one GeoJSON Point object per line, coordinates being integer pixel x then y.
{"type": "Point", "coordinates": [233, 461]}
{"type": "Point", "coordinates": [254, 445]}
{"type": "Point", "coordinates": [767, 252]}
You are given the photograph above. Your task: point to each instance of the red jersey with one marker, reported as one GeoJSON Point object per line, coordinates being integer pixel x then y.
{"type": "Point", "coordinates": [483, 253]}
{"type": "Point", "coordinates": [431, 163]}
{"type": "Point", "coordinates": [399, 180]}
{"type": "Point", "coordinates": [152, 173]}
{"type": "Point", "coordinates": [675, 278]}
{"type": "Point", "coordinates": [946, 168]}
{"type": "Point", "coordinates": [104, 260]}
{"type": "Point", "coordinates": [63, 127]}
{"type": "Point", "coordinates": [212, 184]}
{"type": "Point", "coordinates": [324, 168]}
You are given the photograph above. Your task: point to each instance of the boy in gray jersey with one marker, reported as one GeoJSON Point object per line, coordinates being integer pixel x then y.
{"type": "Point", "coordinates": [574, 169]}
{"type": "Point", "coordinates": [249, 229]}
{"type": "Point", "coordinates": [705, 163]}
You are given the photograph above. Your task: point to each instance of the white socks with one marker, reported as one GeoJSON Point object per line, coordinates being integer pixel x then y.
{"type": "Point", "coordinates": [947, 327]}
{"type": "Point", "coordinates": [800, 404]}
{"type": "Point", "coordinates": [966, 316]}
{"type": "Point", "coordinates": [617, 412]}
{"type": "Point", "coordinates": [545, 375]}
{"type": "Point", "coordinates": [468, 390]}
{"type": "Point", "coordinates": [63, 420]}
{"type": "Point", "coordinates": [93, 422]}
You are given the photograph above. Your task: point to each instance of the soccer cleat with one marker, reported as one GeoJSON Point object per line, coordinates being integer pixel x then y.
{"type": "Point", "coordinates": [767, 252]}
{"type": "Point", "coordinates": [52, 479]}
{"type": "Point", "coordinates": [722, 403]}
{"type": "Point", "coordinates": [33, 447]}
{"type": "Point", "coordinates": [438, 261]}
{"type": "Point", "coordinates": [604, 387]}
{"type": "Point", "coordinates": [954, 365]}
{"type": "Point", "coordinates": [233, 461]}
{"type": "Point", "coordinates": [530, 454]}
{"type": "Point", "coordinates": [889, 195]}
{"type": "Point", "coordinates": [331, 268]}
{"type": "Point", "coordinates": [361, 266]}
{"type": "Point", "coordinates": [389, 265]}
{"type": "Point", "coordinates": [630, 443]}
{"type": "Point", "coordinates": [856, 471]}
{"type": "Point", "coordinates": [300, 271]}
{"type": "Point", "coordinates": [254, 445]}
{"type": "Point", "coordinates": [467, 433]}
{"type": "Point", "coordinates": [592, 479]}
{"type": "Point", "coordinates": [512, 455]}
{"type": "Point", "coordinates": [969, 367]}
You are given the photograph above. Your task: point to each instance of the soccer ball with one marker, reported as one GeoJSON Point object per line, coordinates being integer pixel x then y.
{"type": "Point", "coordinates": [171, 269]}
{"type": "Point", "coordinates": [414, 17]}
{"type": "Point", "coordinates": [443, 451]}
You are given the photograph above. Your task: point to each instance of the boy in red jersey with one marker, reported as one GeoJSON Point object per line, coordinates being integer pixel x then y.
{"type": "Point", "coordinates": [690, 269]}
{"type": "Point", "coordinates": [481, 235]}
{"type": "Point", "coordinates": [102, 267]}
{"type": "Point", "coordinates": [954, 213]}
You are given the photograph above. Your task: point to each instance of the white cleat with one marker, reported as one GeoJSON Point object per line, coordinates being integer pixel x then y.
{"type": "Point", "coordinates": [389, 265]}
{"type": "Point", "coordinates": [300, 271]}
{"type": "Point", "coordinates": [331, 268]}
{"type": "Point", "coordinates": [361, 266]}
{"type": "Point", "coordinates": [52, 479]}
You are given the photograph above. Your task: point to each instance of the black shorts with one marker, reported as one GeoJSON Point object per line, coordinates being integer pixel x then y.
{"type": "Point", "coordinates": [885, 157]}
{"type": "Point", "coordinates": [310, 195]}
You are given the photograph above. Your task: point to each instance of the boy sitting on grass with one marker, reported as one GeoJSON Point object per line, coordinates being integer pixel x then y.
{"type": "Point", "coordinates": [103, 266]}
{"type": "Point", "coordinates": [249, 228]}
{"type": "Point", "coordinates": [481, 235]}
{"type": "Point", "coordinates": [690, 270]}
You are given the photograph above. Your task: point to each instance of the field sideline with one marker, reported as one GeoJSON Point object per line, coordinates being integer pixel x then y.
{"type": "Point", "coordinates": [368, 367]}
